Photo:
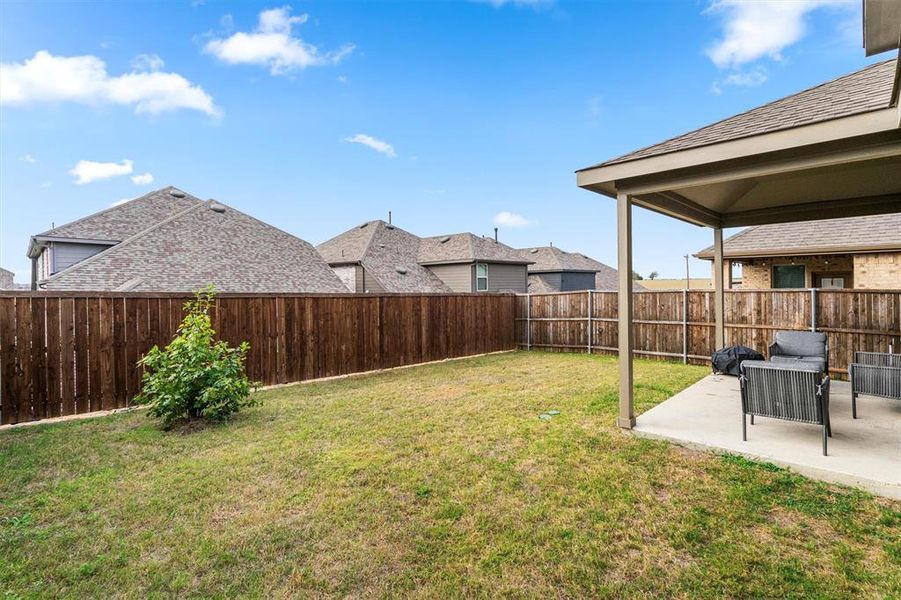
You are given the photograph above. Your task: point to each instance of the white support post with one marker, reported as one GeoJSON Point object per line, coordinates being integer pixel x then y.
{"type": "Point", "coordinates": [626, 417]}
{"type": "Point", "coordinates": [719, 298]}
{"type": "Point", "coordinates": [589, 321]}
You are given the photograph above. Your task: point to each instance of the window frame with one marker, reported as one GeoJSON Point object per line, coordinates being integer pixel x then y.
{"type": "Point", "coordinates": [481, 277]}
{"type": "Point", "coordinates": [789, 266]}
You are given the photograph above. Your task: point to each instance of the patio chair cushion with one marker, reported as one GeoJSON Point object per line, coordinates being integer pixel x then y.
{"type": "Point", "coordinates": [818, 362]}
{"type": "Point", "coordinates": [783, 365]}
{"type": "Point", "coordinates": [801, 343]}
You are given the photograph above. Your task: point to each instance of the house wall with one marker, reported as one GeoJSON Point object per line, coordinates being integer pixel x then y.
{"type": "Point", "coordinates": [348, 276]}
{"type": "Point", "coordinates": [65, 255]}
{"type": "Point", "coordinates": [869, 271]}
{"type": "Point", "coordinates": [877, 271]}
{"type": "Point", "coordinates": [6, 279]}
{"type": "Point", "coordinates": [503, 277]}
{"type": "Point", "coordinates": [367, 283]}
{"type": "Point", "coordinates": [572, 282]}
{"type": "Point", "coordinates": [459, 278]}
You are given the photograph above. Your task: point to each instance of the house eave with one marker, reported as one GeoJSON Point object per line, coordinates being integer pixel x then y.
{"type": "Point", "coordinates": [821, 250]}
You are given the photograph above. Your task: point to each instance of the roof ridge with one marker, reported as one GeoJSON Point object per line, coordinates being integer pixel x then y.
{"type": "Point", "coordinates": [371, 240]}
{"type": "Point", "coordinates": [114, 207]}
{"type": "Point", "coordinates": [744, 112]}
{"type": "Point", "coordinates": [127, 241]}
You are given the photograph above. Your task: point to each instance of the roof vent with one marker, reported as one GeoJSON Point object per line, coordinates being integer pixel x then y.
{"type": "Point", "coordinates": [363, 226]}
{"type": "Point", "coordinates": [176, 193]}
{"type": "Point", "coordinates": [401, 270]}
{"type": "Point", "coordinates": [445, 239]}
{"type": "Point", "coordinates": [216, 207]}
{"type": "Point", "coordinates": [389, 226]}
{"type": "Point", "coordinates": [534, 250]}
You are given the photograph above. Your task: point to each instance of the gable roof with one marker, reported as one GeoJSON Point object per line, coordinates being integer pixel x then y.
{"type": "Point", "coordinates": [122, 221]}
{"type": "Point", "coordinates": [549, 259]}
{"type": "Point", "coordinates": [830, 236]}
{"type": "Point", "coordinates": [387, 253]}
{"type": "Point", "coordinates": [207, 242]}
{"type": "Point", "coordinates": [868, 89]}
{"type": "Point", "coordinates": [466, 248]}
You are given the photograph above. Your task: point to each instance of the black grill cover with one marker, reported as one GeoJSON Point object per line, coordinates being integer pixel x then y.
{"type": "Point", "coordinates": [728, 360]}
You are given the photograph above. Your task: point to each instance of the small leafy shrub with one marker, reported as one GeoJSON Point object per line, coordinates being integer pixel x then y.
{"type": "Point", "coordinates": [195, 376]}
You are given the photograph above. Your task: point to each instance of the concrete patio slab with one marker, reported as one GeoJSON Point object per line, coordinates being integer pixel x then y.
{"type": "Point", "coordinates": [863, 452]}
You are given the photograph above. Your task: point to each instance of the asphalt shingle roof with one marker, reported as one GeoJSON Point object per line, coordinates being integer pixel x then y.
{"type": "Point", "coordinates": [550, 259]}
{"type": "Point", "coordinates": [822, 237]}
{"type": "Point", "coordinates": [862, 91]}
{"type": "Point", "coordinates": [120, 222]}
{"type": "Point", "coordinates": [384, 251]}
{"type": "Point", "coordinates": [466, 248]}
{"type": "Point", "coordinates": [207, 242]}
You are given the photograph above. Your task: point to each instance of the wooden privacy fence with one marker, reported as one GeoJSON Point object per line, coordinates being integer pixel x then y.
{"type": "Point", "coordinates": [680, 324]}
{"type": "Point", "coordinates": [76, 352]}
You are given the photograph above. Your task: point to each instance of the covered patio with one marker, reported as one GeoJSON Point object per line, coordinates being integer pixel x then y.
{"type": "Point", "coordinates": [863, 452]}
{"type": "Point", "coordinates": [827, 152]}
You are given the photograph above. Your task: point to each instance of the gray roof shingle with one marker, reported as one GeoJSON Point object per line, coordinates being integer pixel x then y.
{"type": "Point", "coordinates": [120, 222]}
{"type": "Point", "coordinates": [466, 248]}
{"type": "Point", "coordinates": [207, 242]}
{"type": "Point", "coordinates": [384, 250]}
{"type": "Point", "coordinates": [865, 90]}
{"type": "Point", "coordinates": [550, 259]}
{"type": "Point", "coordinates": [828, 236]}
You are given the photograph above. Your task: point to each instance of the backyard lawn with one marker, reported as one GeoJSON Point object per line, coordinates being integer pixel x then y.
{"type": "Point", "coordinates": [432, 481]}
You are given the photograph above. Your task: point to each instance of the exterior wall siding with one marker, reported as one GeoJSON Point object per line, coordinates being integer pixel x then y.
{"type": "Point", "coordinates": [503, 277]}
{"type": "Point", "coordinates": [877, 271]}
{"type": "Point", "coordinates": [65, 254]}
{"type": "Point", "coordinates": [572, 282]}
{"type": "Point", "coordinates": [367, 283]}
{"type": "Point", "coordinates": [459, 278]}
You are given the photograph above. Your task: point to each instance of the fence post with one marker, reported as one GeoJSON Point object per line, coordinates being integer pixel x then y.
{"type": "Point", "coordinates": [589, 321]}
{"type": "Point", "coordinates": [685, 326]}
{"type": "Point", "coordinates": [528, 321]}
{"type": "Point", "coordinates": [813, 309]}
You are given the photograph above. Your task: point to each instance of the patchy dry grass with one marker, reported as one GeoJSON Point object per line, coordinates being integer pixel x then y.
{"type": "Point", "coordinates": [428, 482]}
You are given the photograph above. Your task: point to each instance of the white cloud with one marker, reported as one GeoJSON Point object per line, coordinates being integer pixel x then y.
{"type": "Point", "coordinates": [147, 62]}
{"type": "Point", "coordinates": [763, 28]}
{"type": "Point", "coordinates": [86, 171]}
{"type": "Point", "coordinates": [145, 179]}
{"type": "Point", "coordinates": [374, 143]}
{"type": "Point", "coordinates": [84, 79]}
{"type": "Point", "coordinates": [506, 218]}
{"type": "Point", "coordinates": [29, 159]}
{"type": "Point", "coordinates": [272, 45]}
{"type": "Point", "coordinates": [747, 79]}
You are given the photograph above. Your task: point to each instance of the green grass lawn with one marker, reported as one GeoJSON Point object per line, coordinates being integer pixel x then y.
{"type": "Point", "coordinates": [432, 481]}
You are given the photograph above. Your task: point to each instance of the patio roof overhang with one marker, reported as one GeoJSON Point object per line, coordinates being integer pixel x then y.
{"type": "Point", "coordinates": [845, 166]}
{"type": "Point", "coordinates": [838, 168]}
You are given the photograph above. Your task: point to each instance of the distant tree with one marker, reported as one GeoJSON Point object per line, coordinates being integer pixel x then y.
{"type": "Point", "coordinates": [653, 275]}
{"type": "Point", "coordinates": [636, 276]}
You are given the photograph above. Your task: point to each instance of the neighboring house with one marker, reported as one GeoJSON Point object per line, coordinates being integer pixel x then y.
{"type": "Point", "coordinates": [379, 257]}
{"type": "Point", "coordinates": [852, 252]}
{"type": "Point", "coordinates": [695, 283]}
{"type": "Point", "coordinates": [555, 270]}
{"type": "Point", "coordinates": [168, 240]}
{"type": "Point", "coordinates": [470, 263]}
{"type": "Point", "coordinates": [7, 279]}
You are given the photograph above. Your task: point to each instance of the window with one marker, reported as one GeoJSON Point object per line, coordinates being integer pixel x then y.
{"type": "Point", "coordinates": [481, 277]}
{"type": "Point", "coordinates": [788, 276]}
{"type": "Point", "coordinates": [833, 280]}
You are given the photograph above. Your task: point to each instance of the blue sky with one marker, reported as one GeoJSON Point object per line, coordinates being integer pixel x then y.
{"type": "Point", "coordinates": [317, 116]}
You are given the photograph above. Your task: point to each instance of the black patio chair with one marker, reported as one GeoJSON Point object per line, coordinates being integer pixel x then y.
{"type": "Point", "coordinates": [875, 374]}
{"type": "Point", "coordinates": [793, 392]}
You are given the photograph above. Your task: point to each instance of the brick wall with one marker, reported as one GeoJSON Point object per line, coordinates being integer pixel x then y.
{"type": "Point", "coordinates": [756, 274]}
{"type": "Point", "coordinates": [877, 271]}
